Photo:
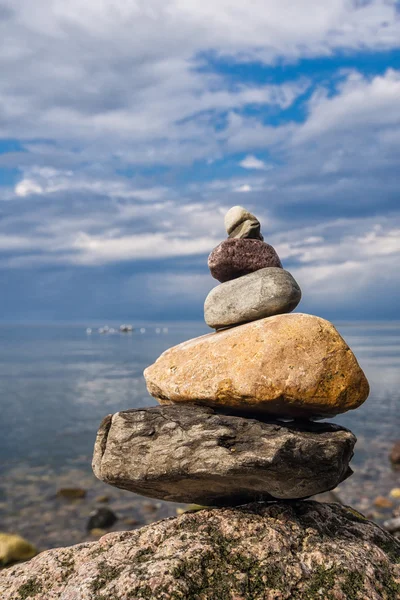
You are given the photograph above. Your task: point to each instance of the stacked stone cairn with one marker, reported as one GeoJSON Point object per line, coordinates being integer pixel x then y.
{"type": "Point", "coordinates": [240, 410]}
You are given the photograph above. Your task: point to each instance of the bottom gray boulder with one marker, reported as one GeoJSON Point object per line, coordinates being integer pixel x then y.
{"type": "Point", "coordinates": [275, 551]}
{"type": "Point", "coordinates": [192, 454]}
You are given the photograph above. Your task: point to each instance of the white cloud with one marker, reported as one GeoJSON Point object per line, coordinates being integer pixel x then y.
{"type": "Point", "coordinates": [380, 243]}
{"type": "Point", "coordinates": [244, 188]}
{"type": "Point", "coordinates": [106, 99]}
{"type": "Point", "coordinates": [340, 242]}
{"type": "Point", "coordinates": [95, 82]}
{"type": "Point", "coordinates": [252, 162]}
{"type": "Point", "coordinates": [352, 268]}
{"type": "Point", "coordinates": [360, 102]}
{"type": "Point", "coordinates": [49, 181]}
{"type": "Point", "coordinates": [27, 187]}
{"type": "Point", "coordinates": [93, 230]}
{"type": "Point", "coordinates": [98, 89]}
{"type": "Point", "coordinates": [124, 74]}
{"type": "Point", "coordinates": [339, 167]}
{"type": "Point", "coordinates": [102, 249]}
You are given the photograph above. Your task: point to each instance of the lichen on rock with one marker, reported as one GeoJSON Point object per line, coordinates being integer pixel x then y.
{"type": "Point", "coordinates": [262, 551]}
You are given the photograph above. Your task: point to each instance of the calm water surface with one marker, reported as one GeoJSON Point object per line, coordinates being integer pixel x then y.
{"type": "Point", "coordinates": [57, 383]}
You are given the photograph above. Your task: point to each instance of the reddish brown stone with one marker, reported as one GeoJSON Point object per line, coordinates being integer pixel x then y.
{"type": "Point", "coordinates": [236, 257]}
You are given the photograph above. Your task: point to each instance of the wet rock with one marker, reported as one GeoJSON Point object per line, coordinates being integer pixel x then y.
{"type": "Point", "coordinates": [101, 518]}
{"type": "Point", "coordinates": [235, 258]}
{"type": "Point", "coordinates": [300, 550]}
{"type": "Point", "coordinates": [71, 493]}
{"type": "Point", "coordinates": [150, 507]}
{"type": "Point", "coordinates": [191, 454]}
{"type": "Point", "coordinates": [103, 499]}
{"type": "Point", "coordinates": [292, 365]}
{"type": "Point", "coordinates": [265, 293]}
{"type": "Point", "coordinates": [392, 525]}
{"type": "Point", "coordinates": [97, 532]}
{"type": "Point", "coordinates": [395, 454]}
{"type": "Point", "coordinates": [131, 522]}
{"type": "Point", "coordinates": [382, 502]}
{"type": "Point", "coordinates": [14, 548]}
{"type": "Point", "coordinates": [240, 223]}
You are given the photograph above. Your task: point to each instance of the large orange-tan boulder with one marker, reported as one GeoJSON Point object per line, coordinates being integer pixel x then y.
{"type": "Point", "coordinates": [292, 365]}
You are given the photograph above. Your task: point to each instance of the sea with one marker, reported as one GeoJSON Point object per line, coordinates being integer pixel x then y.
{"type": "Point", "coordinates": [57, 382]}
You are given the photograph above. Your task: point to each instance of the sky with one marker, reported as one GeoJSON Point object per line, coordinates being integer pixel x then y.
{"type": "Point", "coordinates": [129, 127]}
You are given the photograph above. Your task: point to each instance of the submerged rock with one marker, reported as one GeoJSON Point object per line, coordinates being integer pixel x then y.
{"type": "Point", "coordinates": [14, 548]}
{"type": "Point", "coordinates": [101, 518]}
{"type": "Point", "coordinates": [103, 499]}
{"type": "Point", "coordinates": [235, 258]}
{"type": "Point", "coordinates": [97, 532]}
{"type": "Point", "coordinates": [191, 454]}
{"type": "Point", "coordinates": [265, 293]}
{"type": "Point", "coordinates": [382, 502]}
{"type": "Point", "coordinates": [71, 493]}
{"type": "Point", "coordinates": [395, 454]}
{"type": "Point", "coordinates": [301, 550]}
{"type": "Point", "coordinates": [392, 525]}
{"type": "Point", "coordinates": [292, 365]}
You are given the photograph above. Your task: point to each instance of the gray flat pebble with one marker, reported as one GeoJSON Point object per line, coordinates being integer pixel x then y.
{"type": "Point", "coordinates": [264, 293]}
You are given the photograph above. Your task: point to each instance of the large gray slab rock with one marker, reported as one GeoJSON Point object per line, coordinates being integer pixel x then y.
{"type": "Point", "coordinates": [278, 551]}
{"type": "Point", "coordinates": [234, 258]}
{"type": "Point", "coordinates": [192, 454]}
{"type": "Point", "coordinates": [265, 293]}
